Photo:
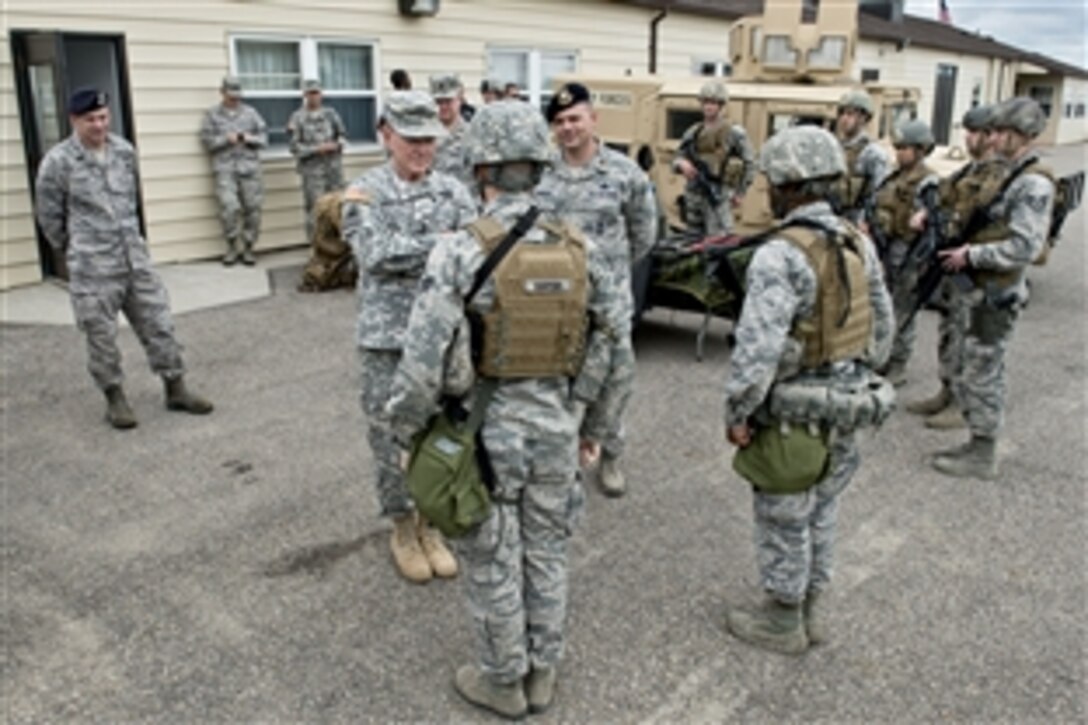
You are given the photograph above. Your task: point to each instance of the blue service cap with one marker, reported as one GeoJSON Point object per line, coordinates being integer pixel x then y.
{"type": "Point", "coordinates": [85, 100]}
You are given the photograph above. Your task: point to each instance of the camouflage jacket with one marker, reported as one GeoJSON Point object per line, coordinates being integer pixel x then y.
{"type": "Point", "coordinates": [451, 156]}
{"type": "Point", "coordinates": [873, 163]}
{"type": "Point", "coordinates": [739, 147]}
{"type": "Point", "coordinates": [88, 209]}
{"type": "Point", "coordinates": [229, 158]}
{"type": "Point", "coordinates": [611, 200]}
{"type": "Point", "coordinates": [781, 289]}
{"type": "Point", "coordinates": [391, 225]}
{"type": "Point", "coordinates": [309, 129]}
{"type": "Point", "coordinates": [538, 414]}
{"type": "Point", "coordinates": [1026, 208]}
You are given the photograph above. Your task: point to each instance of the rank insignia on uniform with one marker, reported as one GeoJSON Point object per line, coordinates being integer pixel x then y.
{"type": "Point", "coordinates": [357, 195]}
{"type": "Point", "coordinates": [564, 97]}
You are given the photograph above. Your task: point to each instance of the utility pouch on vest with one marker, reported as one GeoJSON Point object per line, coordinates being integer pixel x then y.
{"type": "Point", "coordinates": [783, 458]}
{"type": "Point", "coordinates": [448, 473]}
{"type": "Point", "coordinates": [733, 175]}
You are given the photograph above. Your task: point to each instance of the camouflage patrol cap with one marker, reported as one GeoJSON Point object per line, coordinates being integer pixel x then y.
{"type": "Point", "coordinates": [311, 85]}
{"type": "Point", "coordinates": [979, 118]}
{"type": "Point", "coordinates": [231, 86]}
{"type": "Point", "coordinates": [1020, 114]}
{"type": "Point", "coordinates": [858, 100]}
{"type": "Point", "coordinates": [915, 133]}
{"type": "Point", "coordinates": [714, 91]}
{"type": "Point", "coordinates": [446, 85]}
{"type": "Point", "coordinates": [412, 114]}
{"type": "Point", "coordinates": [801, 153]}
{"type": "Point", "coordinates": [507, 131]}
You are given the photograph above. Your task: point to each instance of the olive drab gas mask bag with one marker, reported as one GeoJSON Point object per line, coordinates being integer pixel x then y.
{"type": "Point", "coordinates": [448, 470]}
{"type": "Point", "coordinates": [783, 458]}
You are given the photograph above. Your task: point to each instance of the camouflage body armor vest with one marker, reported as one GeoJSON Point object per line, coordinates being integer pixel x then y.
{"type": "Point", "coordinates": [895, 202]}
{"type": "Point", "coordinates": [714, 147]}
{"type": "Point", "coordinates": [849, 187]}
{"type": "Point", "coordinates": [842, 319]}
{"type": "Point", "coordinates": [537, 326]}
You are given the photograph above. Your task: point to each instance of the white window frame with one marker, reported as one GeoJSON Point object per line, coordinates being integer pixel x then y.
{"type": "Point", "coordinates": [535, 89]}
{"type": "Point", "coordinates": [308, 68]}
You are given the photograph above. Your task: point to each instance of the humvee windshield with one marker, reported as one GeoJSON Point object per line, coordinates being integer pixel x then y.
{"type": "Point", "coordinates": [678, 120]}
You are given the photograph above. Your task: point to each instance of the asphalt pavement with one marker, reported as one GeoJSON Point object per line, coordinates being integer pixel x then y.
{"type": "Point", "coordinates": [232, 568]}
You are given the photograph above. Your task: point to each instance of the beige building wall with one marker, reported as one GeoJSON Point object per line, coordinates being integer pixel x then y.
{"type": "Point", "coordinates": [1073, 123]}
{"type": "Point", "coordinates": [178, 53]}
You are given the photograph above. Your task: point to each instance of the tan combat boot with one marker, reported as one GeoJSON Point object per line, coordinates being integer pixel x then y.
{"type": "Point", "coordinates": [507, 700]}
{"type": "Point", "coordinates": [407, 554]}
{"type": "Point", "coordinates": [815, 621]}
{"type": "Point", "coordinates": [932, 406]}
{"type": "Point", "coordinates": [978, 459]}
{"type": "Point", "coordinates": [118, 412]}
{"type": "Point", "coordinates": [951, 418]}
{"type": "Point", "coordinates": [178, 397]}
{"type": "Point", "coordinates": [540, 688]}
{"type": "Point", "coordinates": [773, 626]}
{"type": "Point", "coordinates": [441, 560]}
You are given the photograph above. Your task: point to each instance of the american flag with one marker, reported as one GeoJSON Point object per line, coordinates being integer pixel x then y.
{"type": "Point", "coordinates": [945, 16]}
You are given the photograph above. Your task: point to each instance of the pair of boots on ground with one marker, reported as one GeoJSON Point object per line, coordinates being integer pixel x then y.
{"type": "Point", "coordinates": [778, 626]}
{"type": "Point", "coordinates": [532, 694]}
{"type": "Point", "coordinates": [419, 551]}
{"type": "Point", "coordinates": [178, 397]}
{"type": "Point", "coordinates": [975, 459]}
{"type": "Point", "coordinates": [233, 255]}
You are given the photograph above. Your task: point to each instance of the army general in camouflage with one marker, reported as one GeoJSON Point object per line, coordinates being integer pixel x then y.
{"type": "Point", "coordinates": [715, 156]}
{"type": "Point", "coordinates": [996, 259]}
{"type": "Point", "coordinates": [896, 201]}
{"type": "Point", "coordinates": [392, 216]}
{"type": "Point", "coordinates": [867, 164]}
{"type": "Point", "coordinates": [451, 157]}
{"type": "Point", "coordinates": [317, 142]}
{"type": "Point", "coordinates": [233, 133]}
{"type": "Point", "coordinates": [86, 204]}
{"type": "Point", "coordinates": [516, 560]}
{"type": "Point", "coordinates": [611, 200]}
{"type": "Point", "coordinates": [802, 330]}
{"type": "Point", "coordinates": [969, 189]}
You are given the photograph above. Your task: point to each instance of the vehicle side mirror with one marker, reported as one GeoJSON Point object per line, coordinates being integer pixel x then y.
{"type": "Point", "coordinates": [645, 159]}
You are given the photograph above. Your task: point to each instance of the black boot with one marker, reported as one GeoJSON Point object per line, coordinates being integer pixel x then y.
{"type": "Point", "coordinates": [118, 412]}
{"type": "Point", "coordinates": [178, 397]}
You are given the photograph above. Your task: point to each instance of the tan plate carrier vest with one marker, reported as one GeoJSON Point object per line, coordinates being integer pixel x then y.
{"type": "Point", "coordinates": [538, 323]}
{"type": "Point", "coordinates": [895, 202]}
{"type": "Point", "coordinates": [842, 318]}
{"type": "Point", "coordinates": [715, 149]}
{"type": "Point", "coordinates": [849, 186]}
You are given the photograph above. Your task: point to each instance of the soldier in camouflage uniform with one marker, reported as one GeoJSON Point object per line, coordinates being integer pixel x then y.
{"type": "Point", "coordinates": [233, 133]}
{"type": "Point", "coordinates": [86, 204]}
{"type": "Point", "coordinates": [960, 195]}
{"type": "Point", "coordinates": [516, 560]}
{"type": "Point", "coordinates": [784, 312]}
{"type": "Point", "coordinates": [392, 215]}
{"type": "Point", "coordinates": [317, 142]}
{"type": "Point", "coordinates": [896, 201]}
{"type": "Point", "coordinates": [996, 259]}
{"type": "Point", "coordinates": [730, 163]}
{"type": "Point", "coordinates": [451, 157]}
{"type": "Point", "coordinates": [867, 164]}
{"type": "Point", "coordinates": [611, 200]}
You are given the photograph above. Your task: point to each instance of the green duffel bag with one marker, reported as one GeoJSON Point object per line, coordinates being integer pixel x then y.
{"type": "Point", "coordinates": [777, 461]}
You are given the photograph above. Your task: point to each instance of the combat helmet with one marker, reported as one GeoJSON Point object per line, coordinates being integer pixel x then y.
{"type": "Point", "coordinates": [714, 91]}
{"type": "Point", "coordinates": [979, 118]}
{"type": "Point", "coordinates": [915, 133]}
{"type": "Point", "coordinates": [801, 153]}
{"type": "Point", "coordinates": [507, 131]}
{"type": "Point", "coordinates": [858, 100]}
{"type": "Point", "coordinates": [1021, 114]}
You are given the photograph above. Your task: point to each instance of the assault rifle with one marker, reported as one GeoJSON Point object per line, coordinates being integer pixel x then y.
{"type": "Point", "coordinates": [708, 184]}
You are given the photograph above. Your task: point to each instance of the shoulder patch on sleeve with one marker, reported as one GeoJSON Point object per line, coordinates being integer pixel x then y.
{"type": "Point", "coordinates": [353, 193]}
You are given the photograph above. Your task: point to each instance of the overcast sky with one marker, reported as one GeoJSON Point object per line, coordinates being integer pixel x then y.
{"type": "Point", "coordinates": [1056, 28]}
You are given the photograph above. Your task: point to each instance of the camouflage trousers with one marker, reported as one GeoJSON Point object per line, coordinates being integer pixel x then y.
{"type": "Point", "coordinates": [951, 329]}
{"type": "Point", "coordinates": [318, 179]}
{"type": "Point", "coordinates": [902, 280]}
{"type": "Point", "coordinates": [141, 296]}
{"type": "Point", "coordinates": [795, 533]}
{"type": "Point", "coordinates": [378, 367]}
{"type": "Point", "coordinates": [704, 217]}
{"type": "Point", "coordinates": [515, 565]}
{"type": "Point", "coordinates": [982, 388]}
{"type": "Point", "coordinates": [240, 201]}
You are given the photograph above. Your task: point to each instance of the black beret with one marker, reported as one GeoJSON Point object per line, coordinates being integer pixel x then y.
{"type": "Point", "coordinates": [569, 95]}
{"type": "Point", "coordinates": [86, 100]}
